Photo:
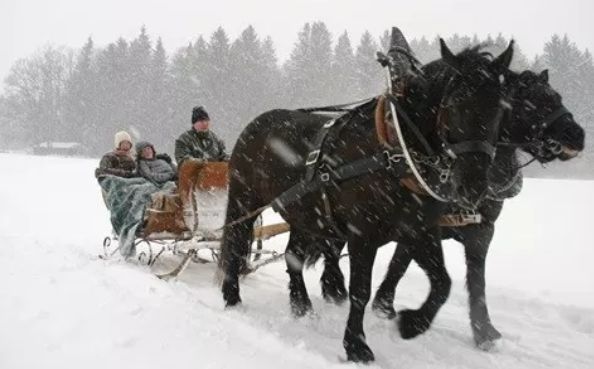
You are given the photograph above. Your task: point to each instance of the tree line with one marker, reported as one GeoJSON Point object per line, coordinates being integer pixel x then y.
{"type": "Point", "coordinates": [85, 95]}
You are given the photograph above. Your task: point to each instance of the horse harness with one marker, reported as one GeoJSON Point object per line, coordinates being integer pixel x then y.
{"type": "Point", "coordinates": [320, 173]}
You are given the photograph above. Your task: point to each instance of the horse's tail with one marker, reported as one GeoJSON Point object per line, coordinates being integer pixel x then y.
{"type": "Point", "coordinates": [239, 229]}
{"type": "Point", "coordinates": [235, 248]}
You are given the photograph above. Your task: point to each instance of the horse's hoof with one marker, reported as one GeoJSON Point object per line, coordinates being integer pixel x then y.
{"type": "Point", "coordinates": [300, 309]}
{"type": "Point", "coordinates": [383, 309]}
{"type": "Point", "coordinates": [333, 289]}
{"type": "Point", "coordinates": [231, 296]}
{"type": "Point", "coordinates": [412, 323]}
{"type": "Point", "coordinates": [363, 356]}
{"type": "Point", "coordinates": [334, 295]}
{"type": "Point", "coordinates": [334, 299]}
{"type": "Point", "coordinates": [358, 351]}
{"type": "Point", "coordinates": [485, 336]}
{"type": "Point", "coordinates": [231, 302]}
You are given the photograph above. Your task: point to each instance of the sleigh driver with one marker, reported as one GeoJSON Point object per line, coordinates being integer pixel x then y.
{"type": "Point", "coordinates": [193, 150]}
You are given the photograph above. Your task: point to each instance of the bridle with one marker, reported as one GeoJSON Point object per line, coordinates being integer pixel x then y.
{"type": "Point", "coordinates": [539, 146]}
{"type": "Point", "coordinates": [468, 146]}
{"type": "Point", "coordinates": [442, 162]}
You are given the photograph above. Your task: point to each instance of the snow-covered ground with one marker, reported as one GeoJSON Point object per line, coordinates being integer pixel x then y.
{"type": "Point", "coordinates": [62, 307]}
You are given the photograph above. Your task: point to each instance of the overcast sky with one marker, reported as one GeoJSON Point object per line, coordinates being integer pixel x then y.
{"type": "Point", "coordinates": [26, 25]}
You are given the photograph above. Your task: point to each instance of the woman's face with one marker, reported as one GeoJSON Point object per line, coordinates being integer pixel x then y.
{"type": "Point", "coordinates": [147, 153]}
{"type": "Point", "coordinates": [125, 146]}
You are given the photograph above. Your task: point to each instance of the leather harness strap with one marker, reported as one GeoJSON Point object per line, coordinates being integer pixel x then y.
{"type": "Point", "coordinates": [380, 161]}
{"type": "Point", "coordinates": [383, 126]}
{"type": "Point", "coordinates": [314, 156]}
{"type": "Point", "coordinates": [413, 185]}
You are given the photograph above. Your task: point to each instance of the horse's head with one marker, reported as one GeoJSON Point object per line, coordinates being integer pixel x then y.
{"type": "Point", "coordinates": [469, 118]}
{"type": "Point", "coordinates": [540, 123]}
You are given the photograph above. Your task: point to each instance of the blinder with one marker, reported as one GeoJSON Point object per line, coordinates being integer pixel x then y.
{"type": "Point", "coordinates": [470, 146]}
{"type": "Point", "coordinates": [551, 118]}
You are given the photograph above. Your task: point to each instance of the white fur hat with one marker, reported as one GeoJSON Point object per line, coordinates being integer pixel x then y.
{"type": "Point", "coordinates": [120, 137]}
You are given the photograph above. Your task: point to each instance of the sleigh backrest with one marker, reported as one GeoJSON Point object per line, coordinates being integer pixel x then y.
{"type": "Point", "coordinates": [213, 176]}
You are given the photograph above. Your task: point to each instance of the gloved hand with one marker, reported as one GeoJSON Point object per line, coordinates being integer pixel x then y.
{"type": "Point", "coordinates": [165, 157]}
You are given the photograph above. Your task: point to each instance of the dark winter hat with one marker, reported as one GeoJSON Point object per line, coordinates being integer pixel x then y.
{"type": "Point", "coordinates": [198, 113]}
{"type": "Point", "coordinates": [141, 145]}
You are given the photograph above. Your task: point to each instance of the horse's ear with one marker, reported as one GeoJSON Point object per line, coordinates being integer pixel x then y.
{"type": "Point", "coordinates": [544, 76]}
{"type": "Point", "coordinates": [504, 60]}
{"type": "Point", "coordinates": [448, 56]}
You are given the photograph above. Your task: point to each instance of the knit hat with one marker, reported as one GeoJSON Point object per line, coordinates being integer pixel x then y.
{"type": "Point", "coordinates": [198, 113]}
{"type": "Point", "coordinates": [141, 146]}
{"type": "Point", "coordinates": [120, 137]}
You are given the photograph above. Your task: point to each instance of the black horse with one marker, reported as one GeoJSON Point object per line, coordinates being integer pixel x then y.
{"type": "Point", "coordinates": [538, 124]}
{"type": "Point", "coordinates": [269, 159]}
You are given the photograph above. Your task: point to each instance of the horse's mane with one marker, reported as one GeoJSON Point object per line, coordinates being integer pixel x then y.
{"type": "Point", "coordinates": [468, 57]}
{"type": "Point", "coordinates": [475, 52]}
{"type": "Point", "coordinates": [528, 77]}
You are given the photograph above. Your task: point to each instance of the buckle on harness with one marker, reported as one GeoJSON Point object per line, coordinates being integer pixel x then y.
{"type": "Point", "coordinates": [392, 158]}
{"type": "Point", "coordinates": [312, 157]}
{"type": "Point", "coordinates": [324, 176]}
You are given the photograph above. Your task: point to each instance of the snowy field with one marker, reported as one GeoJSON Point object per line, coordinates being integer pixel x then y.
{"type": "Point", "coordinates": [62, 307]}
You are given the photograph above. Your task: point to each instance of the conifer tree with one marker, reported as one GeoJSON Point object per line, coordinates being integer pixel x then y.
{"type": "Point", "coordinates": [80, 104]}
{"type": "Point", "coordinates": [344, 71]}
{"type": "Point", "coordinates": [370, 75]}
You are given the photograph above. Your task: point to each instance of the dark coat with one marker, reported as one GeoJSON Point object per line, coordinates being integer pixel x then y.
{"type": "Point", "coordinates": [116, 165]}
{"type": "Point", "coordinates": [199, 145]}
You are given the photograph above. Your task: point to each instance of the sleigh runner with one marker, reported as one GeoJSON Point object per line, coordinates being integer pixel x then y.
{"type": "Point", "coordinates": [189, 221]}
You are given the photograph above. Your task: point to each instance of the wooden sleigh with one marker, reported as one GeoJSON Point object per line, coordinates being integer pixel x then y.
{"type": "Point", "coordinates": [191, 220]}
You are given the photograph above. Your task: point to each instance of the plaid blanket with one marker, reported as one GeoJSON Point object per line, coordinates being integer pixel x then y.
{"type": "Point", "coordinates": [127, 199]}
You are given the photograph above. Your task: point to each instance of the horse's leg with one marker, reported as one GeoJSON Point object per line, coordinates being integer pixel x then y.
{"type": "Point", "coordinates": [383, 303]}
{"type": "Point", "coordinates": [237, 240]}
{"type": "Point", "coordinates": [476, 240]}
{"type": "Point", "coordinates": [294, 258]}
{"type": "Point", "coordinates": [429, 256]}
{"type": "Point", "coordinates": [332, 280]}
{"type": "Point", "coordinates": [361, 257]}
